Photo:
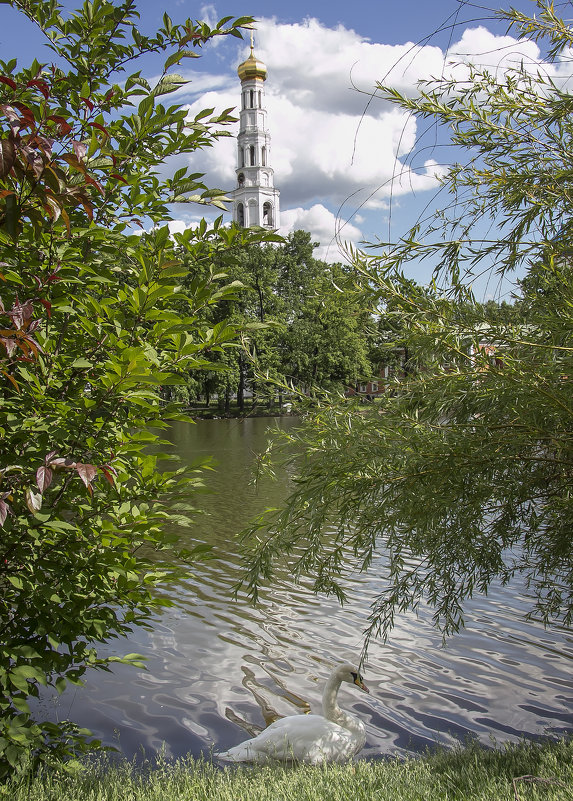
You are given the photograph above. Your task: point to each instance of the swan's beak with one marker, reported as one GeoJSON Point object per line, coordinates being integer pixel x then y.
{"type": "Point", "coordinates": [360, 683]}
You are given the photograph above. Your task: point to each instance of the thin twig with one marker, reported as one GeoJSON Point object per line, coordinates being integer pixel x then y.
{"type": "Point", "coordinates": [530, 778]}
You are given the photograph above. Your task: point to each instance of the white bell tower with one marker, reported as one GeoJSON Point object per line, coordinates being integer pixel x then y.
{"type": "Point", "coordinates": [255, 199]}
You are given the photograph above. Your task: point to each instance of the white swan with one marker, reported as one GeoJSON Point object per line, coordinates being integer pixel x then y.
{"type": "Point", "coordinates": [334, 736]}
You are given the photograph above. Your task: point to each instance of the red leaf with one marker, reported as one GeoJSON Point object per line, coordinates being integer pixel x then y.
{"type": "Point", "coordinates": [88, 103]}
{"type": "Point", "coordinates": [43, 478]}
{"type": "Point", "coordinates": [34, 160]}
{"type": "Point", "coordinates": [47, 305]}
{"type": "Point", "coordinates": [74, 162]}
{"type": "Point", "coordinates": [9, 112]}
{"type": "Point", "coordinates": [12, 380]}
{"type": "Point", "coordinates": [119, 177]}
{"type": "Point", "coordinates": [53, 207]}
{"type": "Point", "coordinates": [21, 313]}
{"type": "Point", "coordinates": [41, 85]}
{"type": "Point", "coordinates": [33, 346]}
{"type": "Point", "coordinates": [99, 127]}
{"type": "Point", "coordinates": [43, 143]}
{"type": "Point", "coordinates": [10, 345]}
{"type": "Point", "coordinates": [8, 81]}
{"type": "Point", "coordinates": [27, 113]}
{"type": "Point", "coordinates": [108, 475]}
{"type": "Point", "coordinates": [7, 157]}
{"type": "Point", "coordinates": [87, 473]}
{"type": "Point", "coordinates": [88, 208]}
{"type": "Point", "coordinates": [33, 500]}
{"type": "Point", "coordinates": [90, 180]}
{"type": "Point", "coordinates": [63, 124]}
{"type": "Point", "coordinates": [80, 149]}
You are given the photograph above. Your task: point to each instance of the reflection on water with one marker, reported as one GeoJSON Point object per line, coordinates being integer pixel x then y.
{"type": "Point", "coordinates": [219, 670]}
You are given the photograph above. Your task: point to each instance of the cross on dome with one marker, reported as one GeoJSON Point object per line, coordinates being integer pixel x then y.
{"type": "Point", "coordinates": [252, 68]}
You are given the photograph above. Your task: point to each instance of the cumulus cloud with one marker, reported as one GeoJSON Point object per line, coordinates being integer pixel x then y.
{"type": "Point", "coordinates": [330, 135]}
{"type": "Point", "coordinates": [325, 228]}
{"type": "Point", "coordinates": [327, 142]}
{"type": "Point", "coordinates": [498, 53]}
{"type": "Point", "coordinates": [334, 143]}
{"type": "Point", "coordinates": [178, 226]}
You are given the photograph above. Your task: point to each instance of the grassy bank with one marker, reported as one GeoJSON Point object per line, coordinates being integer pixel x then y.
{"type": "Point", "coordinates": [516, 773]}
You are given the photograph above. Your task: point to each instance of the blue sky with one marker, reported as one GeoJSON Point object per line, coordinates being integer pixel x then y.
{"type": "Point", "coordinates": [335, 154]}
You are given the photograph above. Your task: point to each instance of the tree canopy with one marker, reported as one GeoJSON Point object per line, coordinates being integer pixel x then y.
{"type": "Point", "coordinates": [100, 309]}
{"type": "Point", "coordinates": [303, 321]}
{"type": "Point", "coordinates": [462, 476]}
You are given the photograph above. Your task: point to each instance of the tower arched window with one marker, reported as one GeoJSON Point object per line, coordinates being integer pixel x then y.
{"type": "Point", "coordinates": [241, 157]}
{"type": "Point", "coordinates": [241, 215]}
{"type": "Point", "coordinates": [264, 156]}
{"type": "Point", "coordinates": [267, 214]}
{"type": "Point", "coordinates": [252, 155]}
{"type": "Point", "coordinates": [241, 179]}
{"type": "Point", "coordinates": [260, 99]}
{"type": "Point", "coordinates": [252, 98]}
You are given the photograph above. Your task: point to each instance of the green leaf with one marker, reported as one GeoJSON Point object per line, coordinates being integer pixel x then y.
{"type": "Point", "coordinates": [169, 83]}
{"type": "Point", "coordinates": [21, 705]}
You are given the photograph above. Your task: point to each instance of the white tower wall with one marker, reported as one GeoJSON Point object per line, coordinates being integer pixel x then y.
{"type": "Point", "coordinates": [255, 199]}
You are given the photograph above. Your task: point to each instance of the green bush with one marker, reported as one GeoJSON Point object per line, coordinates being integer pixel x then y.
{"type": "Point", "coordinates": [95, 323]}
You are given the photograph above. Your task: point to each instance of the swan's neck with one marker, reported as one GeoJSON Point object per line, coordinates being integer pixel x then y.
{"type": "Point", "coordinates": [333, 712]}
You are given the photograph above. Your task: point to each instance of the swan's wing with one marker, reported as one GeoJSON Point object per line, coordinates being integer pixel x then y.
{"type": "Point", "coordinates": [283, 740]}
{"type": "Point", "coordinates": [304, 738]}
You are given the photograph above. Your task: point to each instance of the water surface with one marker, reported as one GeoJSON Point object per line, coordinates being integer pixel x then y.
{"type": "Point", "coordinates": [219, 669]}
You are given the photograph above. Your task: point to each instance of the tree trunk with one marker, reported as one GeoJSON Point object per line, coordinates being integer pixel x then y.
{"type": "Point", "coordinates": [241, 387]}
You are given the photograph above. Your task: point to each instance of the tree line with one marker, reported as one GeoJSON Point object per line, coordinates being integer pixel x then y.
{"type": "Point", "coordinates": [303, 326]}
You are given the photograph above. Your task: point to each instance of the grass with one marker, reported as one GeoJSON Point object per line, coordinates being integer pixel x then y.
{"type": "Point", "coordinates": [516, 773]}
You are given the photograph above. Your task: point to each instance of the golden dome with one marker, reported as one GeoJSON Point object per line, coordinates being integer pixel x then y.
{"type": "Point", "coordinates": [252, 68]}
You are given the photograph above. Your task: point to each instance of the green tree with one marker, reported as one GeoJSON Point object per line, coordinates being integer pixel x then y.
{"type": "Point", "coordinates": [320, 336]}
{"type": "Point", "coordinates": [465, 476]}
{"type": "Point", "coordinates": [302, 323]}
{"type": "Point", "coordinates": [95, 322]}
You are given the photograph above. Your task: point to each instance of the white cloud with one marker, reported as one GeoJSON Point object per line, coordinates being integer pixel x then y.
{"type": "Point", "coordinates": [178, 226]}
{"type": "Point", "coordinates": [327, 140]}
{"type": "Point", "coordinates": [320, 68]}
{"type": "Point", "coordinates": [481, 47]}
{"type": "Point", "coordinates": [208, 14]}
{"type": "Point", "coordinates": [331, 232]}
{"type": "Point", "coordinates": [187, 220]}
{"type": "Point", "coordinates": [317, 154]}
{"type": "Point", "coordinates": [333, 143]}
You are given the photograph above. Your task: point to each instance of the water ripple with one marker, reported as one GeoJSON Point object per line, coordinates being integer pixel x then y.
{"type": "Point", "coordinates": [219, 669]}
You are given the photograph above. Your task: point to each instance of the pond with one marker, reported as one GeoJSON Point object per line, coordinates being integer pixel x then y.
{"type": "Point", "coordinates": [219, 669]}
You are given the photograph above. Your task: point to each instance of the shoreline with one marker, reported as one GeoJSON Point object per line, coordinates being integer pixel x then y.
{"type": "Point", "coordinates": [513, 772]}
